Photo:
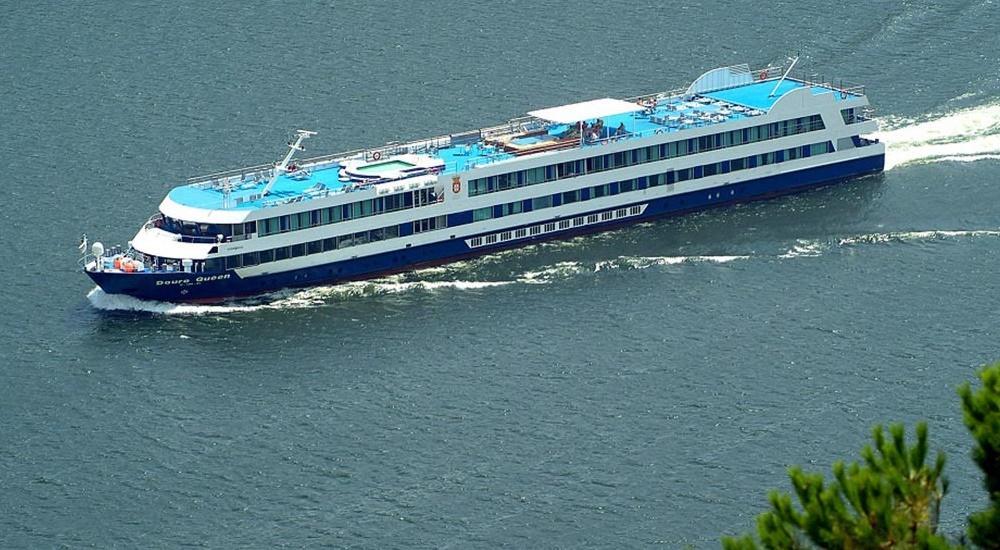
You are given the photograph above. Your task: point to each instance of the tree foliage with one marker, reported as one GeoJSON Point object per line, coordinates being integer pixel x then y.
{"type": "Point", "coordinates": [982, 416]}
{"type": "Point", "coordinates": [890, 499]}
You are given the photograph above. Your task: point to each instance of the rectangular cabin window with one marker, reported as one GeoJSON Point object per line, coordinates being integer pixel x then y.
{"type": "Point", "coordinates": [250, 258]}
{"type": "Point", "coordinates": [314, 247]}
{"type": "Point", "coordinates": [541, 202]}
{"type": "Point", "coordinates": [282, 253]}
{"type": "Point", "coordinates": [512, 208]}
{"type": "Point", "coordinates": [214, 264]}
{"type": "Point", "coordinates": [266, 256]}
{"type": "Point", "coordinates": [298, 250]}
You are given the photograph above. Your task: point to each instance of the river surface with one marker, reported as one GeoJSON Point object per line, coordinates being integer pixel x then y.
{"type": "Point", "coordinates": [642, 387]}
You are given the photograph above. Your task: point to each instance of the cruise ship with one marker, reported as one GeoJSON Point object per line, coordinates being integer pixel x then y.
{"type": "Point", "coordinates": [735, 134]}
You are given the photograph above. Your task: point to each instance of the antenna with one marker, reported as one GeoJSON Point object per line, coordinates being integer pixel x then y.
{"type": "Point", "coordinates": [782, 79]}
{"type": "Point", "coordinates": [281, 167]}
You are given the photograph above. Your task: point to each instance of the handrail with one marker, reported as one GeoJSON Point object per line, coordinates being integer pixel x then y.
{"type": "Point", "coordinates": [513, 125]}
{"type": "Point", "coordinates": [227, 180]}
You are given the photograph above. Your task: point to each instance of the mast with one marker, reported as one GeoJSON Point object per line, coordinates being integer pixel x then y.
{"type": "Point", "coordinates": [782, 79]}
{"type": "Point", "coordinates": [282, 167]}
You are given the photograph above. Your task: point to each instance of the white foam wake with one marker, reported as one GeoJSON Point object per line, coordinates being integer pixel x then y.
{"type": "Point", "coordinates": [561, 270]}
{"type": "Point", "coordinates": [964, 136]}
{"type": "Point", "coordinates": [908, 236]}
{"type": "Point", "coordinates": [804, 249]}
{"type": "Point", "coordinates": [310, 297]}
{"type": "Point", "coordinates": [644, 262]}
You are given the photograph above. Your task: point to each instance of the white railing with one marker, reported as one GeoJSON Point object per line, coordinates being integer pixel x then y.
{"type": "Point", "coordinates": [242, 178]}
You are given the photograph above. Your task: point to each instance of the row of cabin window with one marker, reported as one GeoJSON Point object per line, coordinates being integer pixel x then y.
{"type": "Point", "coordinates": [205, 230]}
{"type": "Point", "coordinates": [667, 178]}
{"type": "Point", "coordinates": [517, 207]}
{"type": "Point", "coordinates": [642, 155]}
{"type": "Point", "coordinates": [344, 212]}
{"type": "Point", "coordinates": [851, 116]}
{"type": "Point", "coordinates": [324, 245]}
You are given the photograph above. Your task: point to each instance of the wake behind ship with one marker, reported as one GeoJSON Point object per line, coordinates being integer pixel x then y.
{"type": "Point", "coordinates": [733, 135]}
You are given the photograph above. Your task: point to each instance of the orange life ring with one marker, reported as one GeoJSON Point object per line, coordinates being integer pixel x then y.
{"type": "Point", "coordinates": [763, 75]}
{"type": "Point", "coordinates": [118, 262]}
{"type": "Point", "coordinates": [377, 155]}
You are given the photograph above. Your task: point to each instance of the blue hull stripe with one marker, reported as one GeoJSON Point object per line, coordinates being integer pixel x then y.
{"type": "Point", "coordinates": [187, 287]}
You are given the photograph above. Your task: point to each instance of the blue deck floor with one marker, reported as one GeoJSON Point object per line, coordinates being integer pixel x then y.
{"type": "Point", "coordinates": [669, 115]}
{"type": "Point", "coordinates": [285, 188]}
{"type": "Point", "coordinates": [758, 95]}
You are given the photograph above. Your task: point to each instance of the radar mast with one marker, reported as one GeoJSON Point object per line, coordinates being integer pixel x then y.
{"type": "Point", "coordinates": [282, 167]}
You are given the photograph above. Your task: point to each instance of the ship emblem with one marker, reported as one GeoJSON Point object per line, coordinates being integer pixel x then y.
{"type": "Point", "coordinates": [456, 185]}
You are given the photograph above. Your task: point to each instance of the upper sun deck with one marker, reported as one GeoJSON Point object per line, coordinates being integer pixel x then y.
{"type": "Point", "coordinates": [729, 94]}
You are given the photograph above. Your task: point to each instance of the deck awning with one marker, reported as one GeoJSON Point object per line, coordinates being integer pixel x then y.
{"type": "Point", "coordinates": [595, 108]}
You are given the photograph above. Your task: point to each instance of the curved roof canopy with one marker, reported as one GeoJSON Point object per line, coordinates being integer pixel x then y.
{"type": "Point", "coordinates": [595, 108]}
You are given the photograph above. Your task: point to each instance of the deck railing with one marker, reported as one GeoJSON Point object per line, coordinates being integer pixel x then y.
{"type": "Point", "coordinates": [233, 179]}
